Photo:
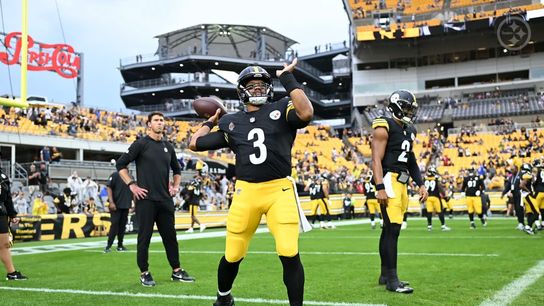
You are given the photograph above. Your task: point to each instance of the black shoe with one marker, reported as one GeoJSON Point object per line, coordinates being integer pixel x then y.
{"type": "Point", "coordinates": [16, 275]}
{"type": "Point", "coordinates": [382, 281]}
{"type": "Point", "coordinates": [107, 249]}
{"type": "Point", "coordinates": [182, 276]}
{"type": "Point", "coordinates": [121, 249]}
{"type": "Point", "coordinates": [147, 280]}
{"type": "Point", "coordinates": [399, 289]}
{"type": "Point", "coordinates": [226, 300]}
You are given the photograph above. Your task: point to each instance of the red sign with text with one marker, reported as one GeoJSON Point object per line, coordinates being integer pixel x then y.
{"type": "Point", "coordinates": [60, 58]}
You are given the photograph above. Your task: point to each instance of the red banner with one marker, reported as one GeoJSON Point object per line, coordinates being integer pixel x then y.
{"type": "Point", "coordinates": [60, 58]}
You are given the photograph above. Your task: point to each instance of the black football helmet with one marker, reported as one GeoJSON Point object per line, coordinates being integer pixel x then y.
{"type": "Point", "coordinates": [538, 162]}
{"type": "Point", "coordinates": [254, 73]}
{"type": "Point", "coordinates": [527, 168]}
{"type": "Point", "coordinates": [432, 171]}
{"type": "Point", "coordinates": [403, 106]}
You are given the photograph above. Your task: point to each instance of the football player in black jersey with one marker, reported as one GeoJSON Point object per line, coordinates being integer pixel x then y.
{"type": "Point", "coordinates": [393, 163]}
{"type": "Point", "coordinates": [434, 201]}
{"type": "Point", "coordinates": [371, 201]}
{"type": "Point", "coordinates": [538, 185]}
{"type": "Point", "coordinates": [319, 196]}
{"type": "Point", "coordinates": [472, 187]}
{"type": "Point", "coordinates": [194, 194]}
{"type": "Point", "coordinates": [528, 197]}
{"type": "Point", "coordinates": [261, 136]}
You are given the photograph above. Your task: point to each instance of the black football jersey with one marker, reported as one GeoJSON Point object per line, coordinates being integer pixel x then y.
{"type": "Point", "coordinates": [316, 191]}
{"type": "Point", "coordinates": [194, 193]}
{"type": "Point", "coordinates": [370, 190]}
{"type": "Point", "coordinates": [539, 180]}
{"type": "Point", "coordinates": [399, 144]}
{"type": "Point", "coordinates": [432, 185]}
{"type": "Point", "coordinates": [262, 140]}
{"type": "Point", "coordinates": [471, 184]}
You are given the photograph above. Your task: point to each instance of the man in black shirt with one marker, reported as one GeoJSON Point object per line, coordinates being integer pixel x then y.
{"type": "Point", "coordinates": [120, 201]}
{"type": "Point", "coordinates": [262, 137]}
{"type": "Point", "coordinates": [154, 157]}
{"type": "Point", "coordinates": [7, 215]}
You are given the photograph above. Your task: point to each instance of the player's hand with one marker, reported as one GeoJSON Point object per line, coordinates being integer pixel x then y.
{"type": "Point", "coordinates": [382, 197]}
{"type": "Point", "coordinates": [286, 67]}
{"type": "Point", "coordinates": [139, 193]}
{"type": "Point", "coordinates": [112, 207]}
{"type": "Point", "coordinates": [15, 220]}
{"type": "Point", "coordinates": [173, 190]}
{"type": "Point", "coordinates": [215, 118]}
{"type": "Point", "coordinates": [423, 193]}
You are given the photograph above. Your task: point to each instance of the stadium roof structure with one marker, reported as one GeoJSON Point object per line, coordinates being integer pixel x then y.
{"type": "Point", "coordinates": [226, 40]}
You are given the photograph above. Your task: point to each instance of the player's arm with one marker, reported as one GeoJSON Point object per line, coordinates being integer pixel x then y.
{"type": "Point", "coordinates": [301, 104]}
{"type": "Point", "coordinates": [122, 163]}
{"type": "Point", "coordinates": [413, 168]}
{"type": "Point", "coordinates": [203, 140]}
{"type": "Point", "coordinates": [325, 189]}
{"type": "Point", "coordinates": [465, 184]}
{"type": "Point", "coordinates": [378, 145]}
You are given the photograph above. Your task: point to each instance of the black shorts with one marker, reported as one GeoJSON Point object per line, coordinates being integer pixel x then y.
{"type": "Point", "coordinates": [4, 225]}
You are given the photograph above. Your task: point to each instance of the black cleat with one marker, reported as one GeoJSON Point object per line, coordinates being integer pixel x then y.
{"type": "Point", "coordinates": [121, 249]}
{"type": "Point", "coordinates": [182, 276]}
{"type": "Point", "coordinates": [107, 250]}
{"type": "Point", "coordinates": [147, 280]}
{"type": "Point", "coordinates": [400, 289]}
{"type": "Point", "coordinates": [16, 275]}
{"type": "Point", "coordinates": [226, 300]}
{"type": "Point", "coordinates": [382, 281]}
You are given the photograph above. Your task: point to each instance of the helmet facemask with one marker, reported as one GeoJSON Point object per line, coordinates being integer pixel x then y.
{"type": "Point", "coordinates": [260, 99]}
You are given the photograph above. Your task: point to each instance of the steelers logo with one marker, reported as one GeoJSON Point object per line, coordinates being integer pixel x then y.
{"type": "Point", "coordinates": [394, 98]}
{"type": "Point", "coordinates": [513, 33]}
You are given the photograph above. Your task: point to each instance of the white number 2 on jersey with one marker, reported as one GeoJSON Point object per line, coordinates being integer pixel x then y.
{"type": "Point", "coordinates": [405, 146]}
{"type": "Point", "coordinates": [257, 136]}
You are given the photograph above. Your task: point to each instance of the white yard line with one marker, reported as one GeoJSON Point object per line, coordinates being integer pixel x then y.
{"type": "Point", "coordinates": [511, 291]}
{"type": "Point", "coordinates": [176, 296]}
{"type": "Point", "coordinates": [323, 253]}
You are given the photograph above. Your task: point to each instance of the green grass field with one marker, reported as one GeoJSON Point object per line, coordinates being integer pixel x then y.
{"type": "Point", "coordinates": [461, 267]}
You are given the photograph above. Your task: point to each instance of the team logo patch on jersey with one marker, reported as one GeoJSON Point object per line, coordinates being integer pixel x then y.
{"type": "Point", "coordinates": [231, 126]}
{"type": "Point", "coordinates": [252, 119]}
{"type": "Point", "coordinates": [166, 150]}
{"type": "Point", "coordinates": [275, 115]}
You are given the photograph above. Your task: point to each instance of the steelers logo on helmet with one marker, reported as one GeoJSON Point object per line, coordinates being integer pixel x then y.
{"type": "Point", "coordinates": [403, 106]}
{"type": "Point", "coordinates": [432, 171]}
{"type": "Point", "coordinates": [256, 93]}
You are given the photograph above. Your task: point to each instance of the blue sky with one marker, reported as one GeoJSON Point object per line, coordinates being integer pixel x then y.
{"type": "Point", "coordinates": [108, 30]}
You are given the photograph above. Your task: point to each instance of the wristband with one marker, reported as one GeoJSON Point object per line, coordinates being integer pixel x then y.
{"type": "Point", "coordinates": [289, 82]}
{"type": "Point", "coordinates": [209, 124]}
{"type": "Point", "coordinates": [131, 182]}
{"type": "Point", "coordinates": [380, 186]}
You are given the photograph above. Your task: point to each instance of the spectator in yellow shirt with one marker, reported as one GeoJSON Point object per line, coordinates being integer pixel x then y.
{"type": "Point", "coordinates": [39, 207]}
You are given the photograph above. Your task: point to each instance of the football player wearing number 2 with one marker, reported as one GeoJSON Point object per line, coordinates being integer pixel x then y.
{"type": "Point", "coordinates": [393, 163]}
{"type": "Point", "coordinates": [261, 136]}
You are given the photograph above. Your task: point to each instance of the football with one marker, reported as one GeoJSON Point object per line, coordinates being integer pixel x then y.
{"type": "Point", "coordinates": [205, 107]}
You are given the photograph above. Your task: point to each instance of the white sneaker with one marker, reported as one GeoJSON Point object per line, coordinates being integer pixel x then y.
{"type": "Point", "coordinates": [429, 228]}
{"type": "Point", "coordinates": [445, 228]}
{"type": "Point", "coordinates": [404, 225]}
{"type": "Point", "coordinates": [520, 227]}
{"type": "Point", "coordinates": [202, 227]}
{"type": "Point", "coordinates": [330, 225]}
{"type": "Point", "coordinates": [322, 224]}
{"type": "Point", "coordinates": [190, 230]}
